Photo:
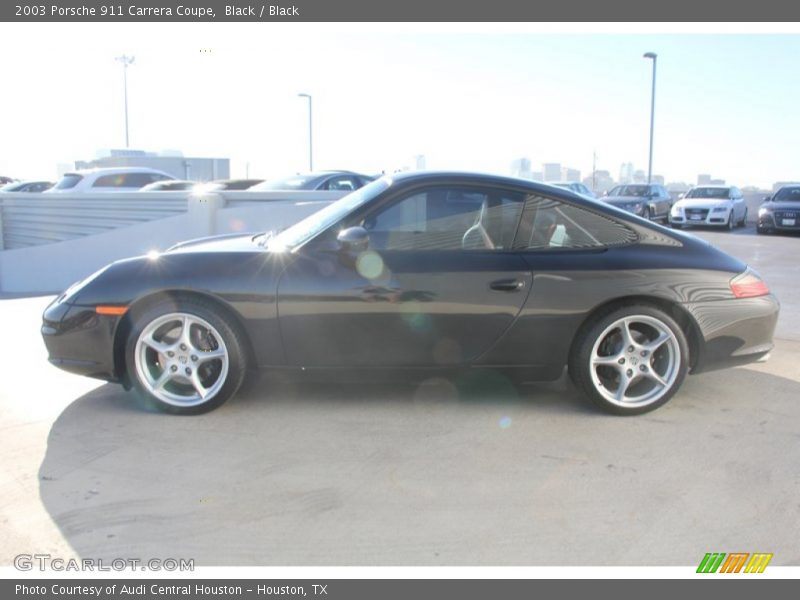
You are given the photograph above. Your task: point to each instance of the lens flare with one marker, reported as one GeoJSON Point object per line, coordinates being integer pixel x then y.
{"type": "Point", "coordinates": [369, 265]}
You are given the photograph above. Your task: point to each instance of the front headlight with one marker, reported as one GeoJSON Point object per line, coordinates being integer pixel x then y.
{"type": "Point", "coordinates": [676, 211]}
{"type": "Point", "coordinates": [764, 211]}
{"type": "Point", "coordinates": [718, 209]}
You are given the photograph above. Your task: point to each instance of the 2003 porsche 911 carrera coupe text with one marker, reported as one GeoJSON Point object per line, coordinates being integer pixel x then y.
{"type": "Point", "coordinates": [419, 272]}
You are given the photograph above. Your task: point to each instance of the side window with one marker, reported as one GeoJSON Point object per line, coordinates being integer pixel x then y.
{"type": "Point", "coordinates": [548, 224]}
{"type": "Point", "coordinates": [109, 181]}
{"type": "Point", "coordinates": [342, 183]}
{"type": "Point", "coordinates": [447, 219]}
{"type": "Point", "coordinates": [137, 180]}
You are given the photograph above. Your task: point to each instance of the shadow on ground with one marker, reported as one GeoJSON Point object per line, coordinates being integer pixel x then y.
{"type": "Point", "coordinates": [429, 475]}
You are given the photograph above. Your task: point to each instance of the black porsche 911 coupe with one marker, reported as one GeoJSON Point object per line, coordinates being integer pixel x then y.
{"type": "Point", "coordinates": [420, 272]}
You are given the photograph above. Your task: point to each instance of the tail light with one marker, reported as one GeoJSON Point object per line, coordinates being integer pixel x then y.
{"type": "Point", "coordinates": [748, 285]}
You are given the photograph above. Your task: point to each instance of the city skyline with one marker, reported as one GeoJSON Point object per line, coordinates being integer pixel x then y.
{"type": "Point", "coordinates": [467, 100]}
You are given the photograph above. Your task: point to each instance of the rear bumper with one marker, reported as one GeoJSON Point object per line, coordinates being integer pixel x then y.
{"type": "Point", "coordinates": [734, 332]}
{"type": "Point", "coordinates": [79, 340]}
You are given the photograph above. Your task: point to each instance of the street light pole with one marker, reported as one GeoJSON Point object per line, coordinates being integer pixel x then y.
{"type": "Point", "coordinates": [126, 62]}
{"type": "Point", "coordinates": [310, 134]}
{"type": "Point", "coordinates": [653, 56]}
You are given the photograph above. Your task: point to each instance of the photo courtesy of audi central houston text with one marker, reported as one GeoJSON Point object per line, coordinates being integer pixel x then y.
{"type": "Point", "coordinates": [423, 273]}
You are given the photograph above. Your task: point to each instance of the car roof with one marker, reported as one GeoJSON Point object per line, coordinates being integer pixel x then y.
{"type": "Point", "coordinates": [112, 170]}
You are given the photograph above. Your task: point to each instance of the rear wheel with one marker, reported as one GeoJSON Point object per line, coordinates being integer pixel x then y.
{"type": "Point", "coordinates": [184, 357]}
{"type": "Point", "coordinates": [630, 360]}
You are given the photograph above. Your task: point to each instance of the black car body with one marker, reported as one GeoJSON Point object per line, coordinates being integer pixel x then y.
{"type": "Point", "coordinates": [649, 201]}
{"type": "Point", "coordinates": [417, 273]}
{"type": "Point", "coordinates": [780, 212]}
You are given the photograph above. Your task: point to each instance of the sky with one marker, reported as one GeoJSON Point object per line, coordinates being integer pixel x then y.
{"type": "Point", "coordinates": [466, 97]}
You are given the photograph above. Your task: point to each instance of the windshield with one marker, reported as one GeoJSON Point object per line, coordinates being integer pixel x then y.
{"type": "Point", "coordinates": [788, 194]}
{"type": "Point", "coordinates": [309, 227]}
{"type": "Point", "coordinates": [295, 182]}
{"type": "Point", "coordinates": [637, 191]}
{"type": "Point", "coordinates": [708, 192]}
{"type": "Point", "coordinates": [70, 180]}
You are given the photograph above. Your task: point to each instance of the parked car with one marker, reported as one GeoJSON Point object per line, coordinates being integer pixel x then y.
{"type": "Point", "coordinates": [419, 273]}
{"type": "Point", "coordinates": [780, 212]}
{"type": "Point", "coordinates": [168, 185]}
{"type": "Point", "coordinates": [228, 184]}
{"type": "Point", "coordinates": [577, 187]}
{"type": "Point", "coordinates": [650, 201]}
{"type": "Point", "coordinates": [4, 180]}
{"type": "Point", "coordinates": [116, 179]}
{"type": "Point", "coordinates": [27, 186]}
{"type": "Point", "coordinates": [710, 205]}
{"type": "Point", "coordinates": [321, 180]}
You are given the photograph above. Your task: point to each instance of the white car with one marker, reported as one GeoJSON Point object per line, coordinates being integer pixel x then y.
{"type": "Point", "coordinates": [116, 179]}
{"type": "Point", "coordinates": [710, 205]}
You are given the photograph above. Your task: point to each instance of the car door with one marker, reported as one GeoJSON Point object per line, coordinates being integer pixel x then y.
{"type": "Point", "coordinates": [438, 285]}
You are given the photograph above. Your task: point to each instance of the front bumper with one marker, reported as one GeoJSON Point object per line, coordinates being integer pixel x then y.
{"type": "Point", "coordinates": [734, 332]}
{"type": "Point", "coordinates": [780, 220]}
{"type": "Point", "coordinates": [79, 340]}
{"type": "Point", "coordinates": [703, 217]}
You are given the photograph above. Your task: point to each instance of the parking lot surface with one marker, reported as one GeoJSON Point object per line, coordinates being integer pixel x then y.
{"type": "Point", "coordinates": [472, 472]}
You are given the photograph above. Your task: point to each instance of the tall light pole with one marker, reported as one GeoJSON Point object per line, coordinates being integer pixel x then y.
{"type": "Point", "coordinates": [654, 56]}
{"type": "Point", "coordinates": [310, 134]}
{"type": "Point", "coordinates": [126, 62]}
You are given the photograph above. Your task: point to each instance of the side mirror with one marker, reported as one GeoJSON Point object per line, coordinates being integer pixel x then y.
{"type": "Point", "coordinates": [353, 239]}
{"type": "Point", "coordinates": [767, 198]}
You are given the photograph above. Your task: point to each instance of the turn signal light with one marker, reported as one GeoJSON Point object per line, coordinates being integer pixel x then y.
{"type": "Point", "coordinates": [748, 285]}
{"type": "Point", "coordinates": [111, 310]}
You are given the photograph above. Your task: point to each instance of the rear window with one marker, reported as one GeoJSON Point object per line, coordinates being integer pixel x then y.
{"type": "Point", "coordinates": [70, 180]}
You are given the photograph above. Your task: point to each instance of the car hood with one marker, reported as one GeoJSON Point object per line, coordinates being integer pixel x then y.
{"type": "Point", "coordinates": [701, 202]}
{"type": "Point", "coordinates": [232, 242]}
{"type": "Point", "coordinates": [616, 200]}
{"type": "Point", "coordinates": [790, 205]}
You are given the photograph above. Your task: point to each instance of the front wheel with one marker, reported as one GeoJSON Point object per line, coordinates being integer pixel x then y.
{"type": "Point", "coordinates": [185, 357]}
{"type": "Point", "coordinates": [630, 360]}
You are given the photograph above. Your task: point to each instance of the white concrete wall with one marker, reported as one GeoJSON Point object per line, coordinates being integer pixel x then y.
{"type": "Point", "coordinates": [50, 268]}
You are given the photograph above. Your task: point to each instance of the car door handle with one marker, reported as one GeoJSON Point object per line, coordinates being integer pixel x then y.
{"type": "Point", "coordinates": [507, 285]}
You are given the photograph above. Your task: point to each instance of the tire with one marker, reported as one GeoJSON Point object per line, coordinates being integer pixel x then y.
{"type": "Point", "coordinates": [743, 222]}
{"type": "Point", "coordinates": [647, 213]}
{"type": "Point", "coordinates": [183, 370]}
{"type": "Point", "coordinates": [731, 224]}
{"type": "Point", "coordinates": [763, 230]}
{"type": "Point", "coordinates": [676, 225]}
{"type": "Point", "coordinates": [595, 360]}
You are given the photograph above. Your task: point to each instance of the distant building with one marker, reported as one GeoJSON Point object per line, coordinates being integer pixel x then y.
{"type": "Point", "coordinates": [601, 182]}
{"type": "Point", "coordinates": [658, 179]}
{"type": "Point", "coordinates": [703, 179]}
{"type": "Point", "coordinates": [537, 175]}
{"type": "Point", "coordinates": [420, 162]}
{"type": "Point", "coordinates": [626, 173]}
{"type": "Point", "coordinates": [181, 167]}
{"type": "Point", "coordinates": [639, 176]}
{"type": "Point", "coordinates": [521, 167]}
{"type": "Point", "coordinates": [551, 172]}
{"type": "Point", "coordinates": [568, 174]}
{"type": "Point", "coordinates": [717, 182]}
